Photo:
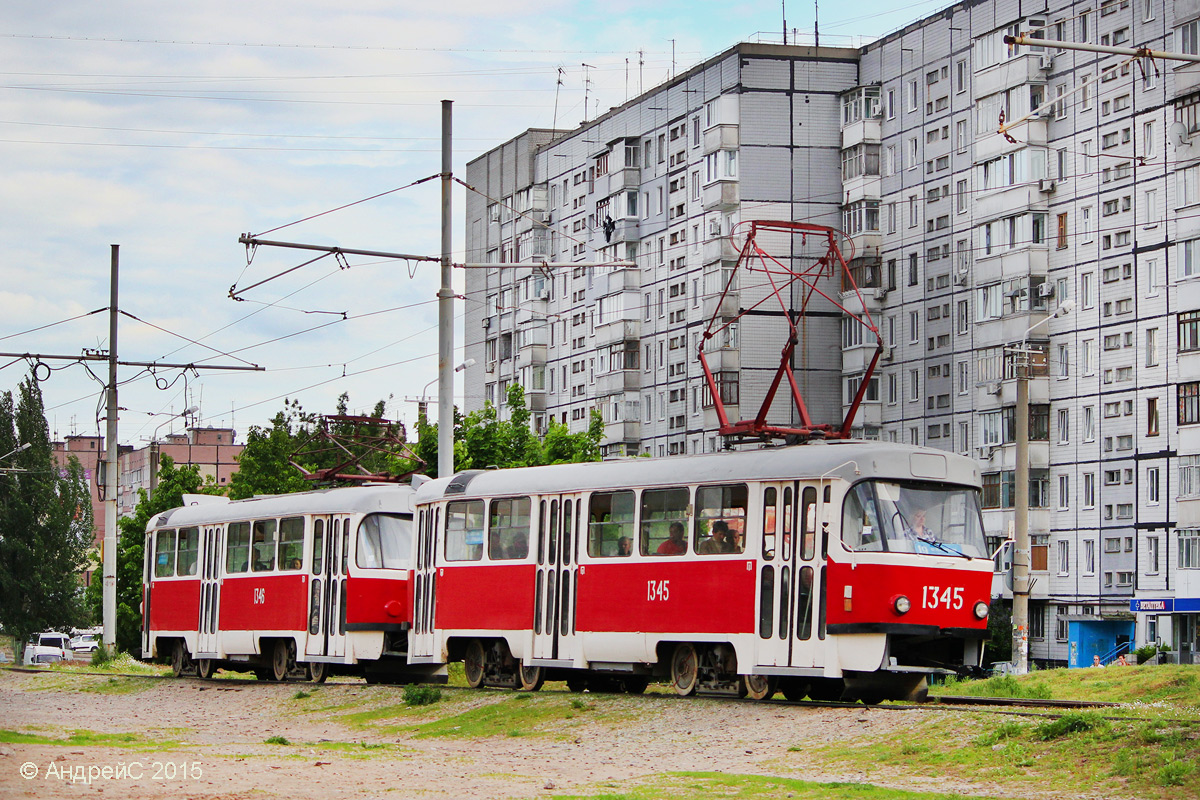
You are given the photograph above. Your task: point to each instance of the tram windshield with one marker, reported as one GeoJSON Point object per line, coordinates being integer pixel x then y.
{"type": "Point", "coordinates": [913, 517]}
{"type": "Point", "coordinates": [384, 542]}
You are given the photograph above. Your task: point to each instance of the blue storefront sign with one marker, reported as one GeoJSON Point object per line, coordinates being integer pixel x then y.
{"type": "Point", "coordinates": [1156, 605]}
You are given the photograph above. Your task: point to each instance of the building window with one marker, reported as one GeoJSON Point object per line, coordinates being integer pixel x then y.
{"type": "Point", "coordinates": [1189, 403]}
{"type": "Point", "coordinates": [1064, 556]}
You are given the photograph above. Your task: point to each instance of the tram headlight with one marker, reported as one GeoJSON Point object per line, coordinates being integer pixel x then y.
{"type": "Point", "coordinates": [901, 604]}
{"type": "Point", "coordinates": [981, 610]}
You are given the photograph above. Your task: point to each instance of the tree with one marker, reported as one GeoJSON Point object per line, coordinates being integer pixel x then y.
{"type": "Point", "coordinates": [173, 484]}
{"type": "Point", "coordinates": [46, 525]}
{"type": "Point", "coordinates": [264, 465]}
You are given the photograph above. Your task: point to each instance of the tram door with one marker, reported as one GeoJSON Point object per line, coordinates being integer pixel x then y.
{"type": "Point", "coordinates": [327, 590]}
{"type": "Point", "coordinates": [775, 571]}
{"type": "Point", "coordinates": [807, 639]}
{"type": "Point", "coordinates": [557, 578]}
{"type": "Point", "coordinates": [210, 590]}
{"type": "Point", "coordinates": [425, 583]}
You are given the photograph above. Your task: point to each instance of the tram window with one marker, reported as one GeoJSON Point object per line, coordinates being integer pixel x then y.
{"type": "Point", "coordinates": [913, 517]}
{"type": "Point", "coordinates": [788, 516]}
{"type": "Point", "coordinates": [567, 528]}
{"type": "Point", "coordinates": [804, 604]}
{"type": "Point", "coordinates": [785, 594]}
{"type": "Point", "coordinates": [164, 554]}
{"type": "Point", "coordinates": [553, 550]}
{"type": "Point", "coordinates": [189, 551]}
{"type": "Point", "coordinates": [860, 523]}
{"type": "Point", "coordinates": [263, 545]}
{"type": "Point", "coordinates": [464, 530]}
{"type": "Point", "coordinates": [345, 547]}
{"type": "Point", "coordinates": [610, 524]}
{"type": "Point", "coordinates": [384, 542]}
{"type": "Point", "coordinates": [318, 547]}
{"type": "Point", "coordinates": [508, 528]}
{"type": "Point", "coordinates": [291, 543]}
{"type": "Point", "coordinates": [808, 522]}
{"type": "Point", "coordinates": [726, 504]}
{"type": "Point", "coordinates": [541, 549]}
{"type": "Point", "coordinates": [664, 521]}
{"type": "Point", "coordinates": [237, 555]}
{"type": "Point", "coordinates": [770, 497]}
{"type": "Point", "coordinates": [766, 602]}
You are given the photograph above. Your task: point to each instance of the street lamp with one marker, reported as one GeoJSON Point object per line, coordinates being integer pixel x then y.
{"type": "Point", "coordinates": [19, 449]}
{"type": "Point", "coordinates": [187, 412]}
{"type": "Point", "coordinates": [423, 400]}
{"type": "Point", "coordinates": [1021, 542]}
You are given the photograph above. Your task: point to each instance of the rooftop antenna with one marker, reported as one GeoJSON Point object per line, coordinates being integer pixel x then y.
{"type": "Point", "coordinates": [587, 86]}
{"type": "Point", "coordinates": [641, 64]}
{"type": "Point", "coordinates": [557, 86]}
{"type": "Point", "coordinates": [816, 24]}
{"type": "Point", "coordinates": [783, 12]}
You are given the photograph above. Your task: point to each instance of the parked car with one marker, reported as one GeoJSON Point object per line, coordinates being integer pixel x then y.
{"type": "Point", "coordinates": [48, 648]}
{"type": "Point", "coordinates": [85, 643]}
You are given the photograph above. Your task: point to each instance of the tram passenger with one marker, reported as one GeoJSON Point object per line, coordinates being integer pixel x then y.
{"type": "Point", "coordinates": [676, 543]}
{"type": "Point", "coordinates": [717, 541]}
{"type": "Point", "coordinates": [294, 564]}
{"type": "Point", "coordinates": [733, 540]}
{"type": "Point", "coordinates": [518, 547]}
{"type": "Point", "coordinates": [624, 546]}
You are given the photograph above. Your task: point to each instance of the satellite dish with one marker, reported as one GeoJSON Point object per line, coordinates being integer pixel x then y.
{"type": "Point", "coordinates": [1179, 134]}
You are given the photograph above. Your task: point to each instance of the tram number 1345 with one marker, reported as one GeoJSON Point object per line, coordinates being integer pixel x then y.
{"type": "Point", "coordinates": [950, 597]}
{"type": "Point", "coordinates": [658, 590]}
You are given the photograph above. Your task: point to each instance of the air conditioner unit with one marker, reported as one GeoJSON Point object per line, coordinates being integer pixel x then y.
{"type": "Point", "coordinates": [994, 387]}
{"type": "Point", "coordinates": [1046, 290]}
{"type": "Point", "coordinates": [1046, 185]}
{"type": "Point", "coordinates": [1046, 63]}
{"type": "Point", "coordinates": [885, 354]}
{"type": "Point", "coordinates": [960, 278]}
{"type": "Point", "coordinates": [881, 293]}
{"type": "Point", "coordinates": [544, 294]}
{"type": "Point", "coordinates": [487, 322]}
{"type": "Point", "coordinates": [489, 366]}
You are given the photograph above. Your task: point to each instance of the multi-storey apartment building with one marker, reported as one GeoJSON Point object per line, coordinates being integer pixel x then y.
{"type": "Point", "coordinates": [965, 239]}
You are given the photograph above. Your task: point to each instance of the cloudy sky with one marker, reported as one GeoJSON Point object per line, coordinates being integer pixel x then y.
{"type": "Point", "coordinates": [170, 129]}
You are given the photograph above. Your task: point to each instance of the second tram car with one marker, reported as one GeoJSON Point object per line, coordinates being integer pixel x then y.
{"type": "Point", "coordinates": [829, 569]}
{"type": "Point", "coordinates": [296, 585]}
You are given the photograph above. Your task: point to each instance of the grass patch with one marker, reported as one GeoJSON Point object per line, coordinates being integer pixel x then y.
{"type": "Point", "coordinates": [86, 738]}
{"type": "Point", "coordinates": [707, 785]}
{"type": "Point", "coordinates": [277, 740]}
{"type": "Point", "coordinates": [301, 695]}
{"type": "Point", "coordinates": [1170, 684]}
{"type": "Point", "coordinates": [421, 695]}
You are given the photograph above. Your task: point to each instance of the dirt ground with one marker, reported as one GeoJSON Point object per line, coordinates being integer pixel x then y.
{"type": "Point", "coordinates": [213, 743]}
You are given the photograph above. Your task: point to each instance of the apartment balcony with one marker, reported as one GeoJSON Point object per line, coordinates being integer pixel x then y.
{"type": "Point", "coordinates": [1018, 262]}
{"type": "Point", "coordinates": [622, 432]}
{"type": "Point", "coordinates": [621, 330]}
{"type": "Point", "coordinates": [863, 131]}
{"type": "Point", "coordinates": [619, 382]}
{"type": "Point", "coordinates": [1011, 72]}
{"type": "Point", "coordinates": [991, 395]}
{"type": "Point", "coordinates": [1189, 362]}
{"type": "Point", "coordinates": [719, 305]}
{"type": "Point", "coordinates": [861, 187]}
{"type": "Point", "coordinates": [535, 399]}
{"type": "Point", "coordinates": [863, 245]}
{"type": "Point", "coordinates": [615, 281]}
{"type": "Point", "coordinates": [997, 203]}
{"type": "Point", "coordinates": [856, 359]}
{"type": "Point", "coordinates": [721, 195]}
{"type": "Point", "coordinates": [870, 412]}
{"type": "Point", "coordinates": [726, 359]}
{"type": "Point", "coordinates": [622, 179]}
{"type": "Point", "coordinates": [627, 229]}
{"type": "Point", "coordinates": [989, 144]}
{"type": "Point", "coordinates": [721, 248]}
{"type": "Point", "coordinates": [531, 355]}
{"type": "Point", "coordinates": [721, 137]}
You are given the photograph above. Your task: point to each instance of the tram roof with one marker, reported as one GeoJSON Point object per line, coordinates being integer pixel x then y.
{"type": "Point", "coordinates": [389, 498]}
{"type": "Point", "coordinates": [846, 459]}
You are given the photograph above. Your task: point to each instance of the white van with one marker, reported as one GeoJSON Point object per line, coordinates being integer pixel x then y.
{"type": "Point", "coordinates": [48, 648]}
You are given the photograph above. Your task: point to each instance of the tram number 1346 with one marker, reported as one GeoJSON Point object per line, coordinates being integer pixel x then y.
{"type": "Point", "coordinates": [942, 597]}
{"type": "Point", "coordinates": [658, 590]}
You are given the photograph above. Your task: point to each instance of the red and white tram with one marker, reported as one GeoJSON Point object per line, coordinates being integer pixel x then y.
{"type": "Point", "coordinates": [809, 568]}
{"type": "Point", "coordinates": [287, 585]}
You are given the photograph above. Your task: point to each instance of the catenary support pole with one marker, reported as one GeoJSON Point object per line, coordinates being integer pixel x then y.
{"type": "Point", "coordinates": [109, 594]}
{"type": "Point", "coordinates": [1021, 548]}
{"type": "Point", "coordinates": [446, 310]}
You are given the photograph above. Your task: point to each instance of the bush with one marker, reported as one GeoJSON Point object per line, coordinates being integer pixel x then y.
{"type": "Point", "coordinates": [421, 695]}
{"type": "Point", "coordinates": [1067, 724]}
{"type": "Point", "coordinates": [1145, 653]}
{"type": "Point", "coordinates": [277, 740]}
{"type": "Point", "coordinates": [103, 656]}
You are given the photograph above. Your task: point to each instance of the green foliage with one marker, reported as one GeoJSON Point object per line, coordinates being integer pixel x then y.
{"type": "Point", "coordinates": [46, 526]}
{"type": "Point", "coordinates": [264, 465]}
{"type": "Point", "coordinates": [1068, 724]}
{"type": "Point", "coordinates": [277, 740]}
{"type": "Point", "coordinates": [102, 656]}
{"type": "Point", "coordinates": [173, 483]}
{"type": "Point", "coordinates": [1000, 632]}
{"type": "Point", "coordinates": [421, 695]}
{"type": "Point", "coordinates": [1145, 653]}
{"type": "Point", "coordinates": [1175, 772]}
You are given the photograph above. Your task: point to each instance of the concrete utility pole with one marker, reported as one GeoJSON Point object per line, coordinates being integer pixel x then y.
{"type": "Point", "coordinates": [109, 596]}
{"type": "Point", "coordinates": [446, 307]}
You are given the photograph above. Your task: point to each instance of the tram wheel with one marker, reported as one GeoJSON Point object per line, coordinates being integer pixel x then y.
{"type": "Point", "coordinates": [283, 659]}
{"type": "Point", "coordinates": [685, 669]}
{"type": "Point", "coordinates": [577, 683]}
{"type": "Point", "coordinates": [206, 668]}
{"type": "Point", "coordinates": [793, 689]}
{"type": "Point", "coordinates": [757, 687]}
{"type": "Point", "coordinates": [318, 671]}
{"type": "Point", "coordinates": [826, 690]}
{"type": "Point", "coordinates": [181, 660]}
{"type": "Point", "coordinates": [636, 685]}
{"type": "Point", "coordinates": [473, 662]}
{"type": "Point", "coordinates": [529, 678]}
